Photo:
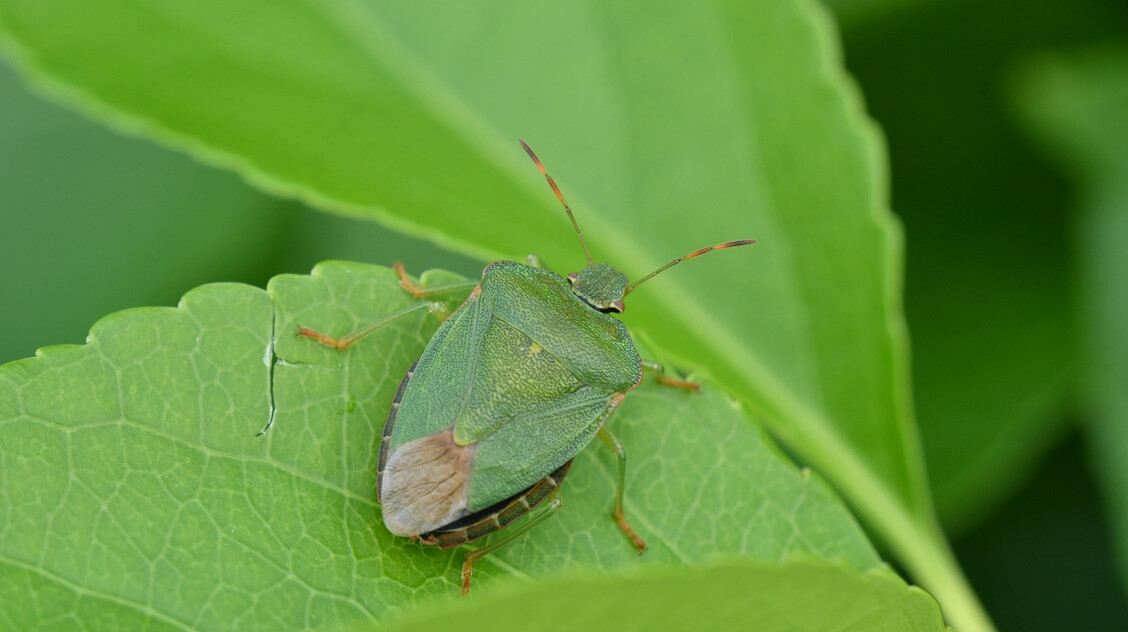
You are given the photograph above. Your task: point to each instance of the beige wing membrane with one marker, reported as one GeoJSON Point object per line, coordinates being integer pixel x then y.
{"type": "Point", "coordinates": [426, 484]}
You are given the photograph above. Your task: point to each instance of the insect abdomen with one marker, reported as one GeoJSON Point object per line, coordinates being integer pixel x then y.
{"type": "Point", "coordinates": [482, 523]}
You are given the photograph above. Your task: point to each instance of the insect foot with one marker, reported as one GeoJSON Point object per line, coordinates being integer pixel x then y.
{"type": "Point", "coordinates": [627, 529]}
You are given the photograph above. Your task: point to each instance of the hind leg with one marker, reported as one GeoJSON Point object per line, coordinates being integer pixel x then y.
{"type": "Point", "coordinates": [479, 553]}
{"type": "Point", "coordinates": [618, 514]}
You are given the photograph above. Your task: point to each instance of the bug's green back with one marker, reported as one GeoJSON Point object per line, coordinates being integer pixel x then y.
{"type": "Point", "coordinates": [521, 375]}
{"type": "Point", "coordinates": [514, 378]}
{"type": "Point", "coordinates": [596, 347]}
{"type": "Point", "coordinates": [435, 394]}
{"type": "Point", "coordinates": [524, 450]}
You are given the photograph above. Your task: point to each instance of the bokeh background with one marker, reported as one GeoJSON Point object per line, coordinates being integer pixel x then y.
{"type": "Point", "coordinates": [1002, 127]}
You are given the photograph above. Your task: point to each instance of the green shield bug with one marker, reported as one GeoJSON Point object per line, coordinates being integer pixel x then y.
{"type": "Point", "coordinates": [511, 387]}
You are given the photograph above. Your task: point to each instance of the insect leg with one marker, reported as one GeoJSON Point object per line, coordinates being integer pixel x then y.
{"type": "Point", "coordinates": [347, 341]}
{"type": "Point", "coordinates": [437, 307]}
{"type": "Point", "coordinates": [534, 261]}
{"type": "Point", "coordinates": [423, 292]}
{"type": "Point", "coordinates": [613, 442]}
{"type": "Point", "coordinates": [669, 381]}
{"type": "Point", "coordinates": [479, 553]}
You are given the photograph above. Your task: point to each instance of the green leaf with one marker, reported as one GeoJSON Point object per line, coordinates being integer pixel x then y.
{"type": "Point", "coordinates": [1078, 105]}
{"type": "Point", "coordinates": [71, 187]}
{"type": "Point", "coordinates": [139, 224]}
{"type": "Point", "coordinates": [862, 13]}
{"type": "Point", "coordinates": [803, 595]}
{"type": "Point", "coordinates": [135, 489]}
{"type": "Point", "coordinates": [670, 130]}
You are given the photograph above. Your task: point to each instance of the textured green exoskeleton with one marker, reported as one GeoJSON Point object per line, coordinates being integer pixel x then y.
{"type": "Point", "coordinates": [512, 386]}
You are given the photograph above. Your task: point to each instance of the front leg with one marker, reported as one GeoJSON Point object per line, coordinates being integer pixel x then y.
{"type": "Point", "coordinates": [669, 381]}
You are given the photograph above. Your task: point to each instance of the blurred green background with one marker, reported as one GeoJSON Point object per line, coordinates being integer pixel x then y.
{"type": "Point", "coordinates": [989, 177]}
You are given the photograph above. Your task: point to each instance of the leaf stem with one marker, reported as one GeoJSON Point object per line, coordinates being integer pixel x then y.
{"type": "Point", "coordinates": [918, 542]}
{"type": "Point", "coordinates": [921, 546]}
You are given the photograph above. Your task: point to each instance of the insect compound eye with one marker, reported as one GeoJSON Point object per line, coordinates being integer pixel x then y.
{"type": "Point", "coordinates": [617, 306]}
{"type": "Point", "coordinates": [572, 276]}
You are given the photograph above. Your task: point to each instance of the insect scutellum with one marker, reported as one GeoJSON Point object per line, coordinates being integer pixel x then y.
{"type": "Point", "coordinates": [601, 285]}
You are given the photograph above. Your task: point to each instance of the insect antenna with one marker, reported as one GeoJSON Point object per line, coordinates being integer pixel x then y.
{"type": "Point", "coordinates": [560, 196]}
{"type": "Point", "coordinates": [695, 253]}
